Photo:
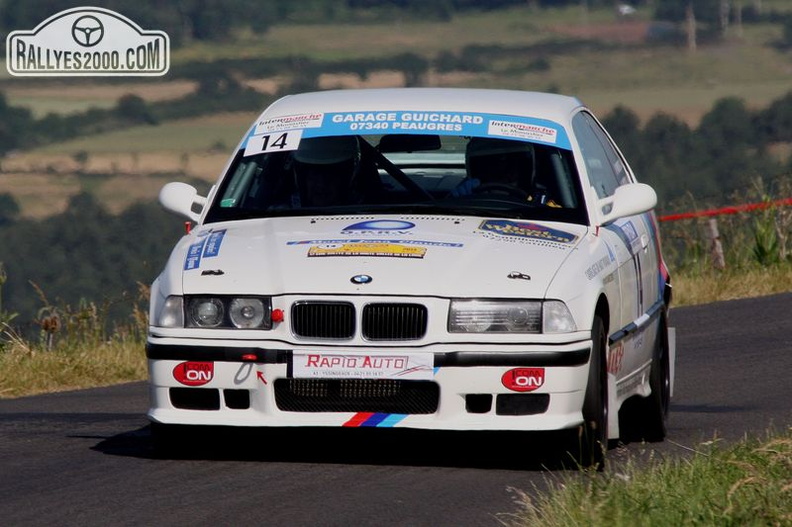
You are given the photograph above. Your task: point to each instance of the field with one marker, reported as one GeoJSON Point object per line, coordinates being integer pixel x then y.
{"type": "Point", "coordinates": [615, 67]}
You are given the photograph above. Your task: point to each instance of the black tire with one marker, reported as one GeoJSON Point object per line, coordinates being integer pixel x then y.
{"type": "Point", "coordinates": [646, 418]}
{"type": "Point", "coordinates": [592, 436]}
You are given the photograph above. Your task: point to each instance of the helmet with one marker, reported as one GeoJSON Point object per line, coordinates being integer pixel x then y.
{"type": "Point", "coordinates": [494, 160]}
{"type": "Point", "coordinates": [491, 146]}
{"type": "Point", "coordinates": [328, 150]}
{"type": "Point", "coordinates": [325, 168]}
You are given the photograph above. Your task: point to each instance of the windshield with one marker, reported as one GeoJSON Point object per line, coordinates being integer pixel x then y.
{"type": "Point", "coordinates": [402, 174]}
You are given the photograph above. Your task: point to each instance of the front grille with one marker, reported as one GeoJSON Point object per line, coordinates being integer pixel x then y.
{"type": "Point", "coordinates": [394, 321]}
{"type": "Point", "coordinates": [357, 395]}
{"type": "Point", "coordinates": [323, 320]}
{"type": "Point", "coordinates": [336, 320]}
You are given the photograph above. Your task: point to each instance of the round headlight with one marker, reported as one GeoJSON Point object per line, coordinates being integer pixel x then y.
{"type": "Point", "coordinates": [246, 312]}
{"type": "Point", "coordinates": [207, 312]}
{"type": "Point", "coordinates": [517, 318]}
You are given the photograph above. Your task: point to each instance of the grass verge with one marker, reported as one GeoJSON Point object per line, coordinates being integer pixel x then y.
{"type": "Point", "coordinates": [745, 484]}
{"type": "Point", "coordinates": [25, 370]}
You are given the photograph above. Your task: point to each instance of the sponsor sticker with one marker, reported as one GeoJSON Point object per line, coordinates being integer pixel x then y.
{"type": "Point", "coordinates": [526, 230]}
{"type": "Point", "coordinates": [367, 249]}
{"type": "Point", "coordinates": [399, 226]}
{"type": "Point", "coordinates": [428, 243]}
{"type": "Point", "coordinates": [194, 373]}
{"type": "Point", "coordinates": [289, 122]}
{"type": "Point", "coordinates": [87, 41]}
{"type": "Point", "coordinates": [207, 246]}
{"type": "Point", "coordinates": [420, 122]}
{"type": "Point", "coordinates": [193, 259]}
{"type": "Point", "coordinates": [213, 242]}
{"type": "Point", "coordinates": [523, 379]}
{"type": "Point", "coordinates": [409, 366]}
{"type": "Point", "coordinates": [531, 132]}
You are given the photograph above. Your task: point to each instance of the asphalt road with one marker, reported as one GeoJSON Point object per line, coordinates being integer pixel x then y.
{"type": "Point", "coordinates": [84, 457]}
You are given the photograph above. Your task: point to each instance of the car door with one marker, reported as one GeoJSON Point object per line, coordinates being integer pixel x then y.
{"type": "Point", "coordinates": [631, 245]}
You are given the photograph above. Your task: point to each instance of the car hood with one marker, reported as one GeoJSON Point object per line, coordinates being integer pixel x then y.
{"type": "Point", "coordinates": [404, 255]}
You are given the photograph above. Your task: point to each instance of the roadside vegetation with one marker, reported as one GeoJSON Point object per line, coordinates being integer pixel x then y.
{"type": "Point", "coordinates": [741, 485]}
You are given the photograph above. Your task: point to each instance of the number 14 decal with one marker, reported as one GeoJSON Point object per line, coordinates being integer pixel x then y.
{"type": "Point", "coordinates": [275, 142]}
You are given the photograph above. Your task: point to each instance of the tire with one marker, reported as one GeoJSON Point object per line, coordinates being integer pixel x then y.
{"type": "Point", "coordinates": [646, 418]}
{"type": "Point", "coordinates": [592, 436]}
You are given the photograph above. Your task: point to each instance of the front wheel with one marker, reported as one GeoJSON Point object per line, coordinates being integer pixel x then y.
{"type": "Point", "coordinates": [646, 418]}
{"type": "Point", "coordinates": [592, 436]}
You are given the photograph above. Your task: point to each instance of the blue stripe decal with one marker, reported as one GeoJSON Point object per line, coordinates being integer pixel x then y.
{"type": "Point", "coordinates": [374, 420]}
{"type": "Point", "coordinates": [392, 420]}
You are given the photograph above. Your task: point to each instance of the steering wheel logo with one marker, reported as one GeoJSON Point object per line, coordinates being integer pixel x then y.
{"type": "Point", "coordinates": [87, 31]}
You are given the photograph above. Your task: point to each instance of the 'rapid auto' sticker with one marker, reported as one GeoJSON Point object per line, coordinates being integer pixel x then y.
{"type": "Point", "coordinates": [328, 365]}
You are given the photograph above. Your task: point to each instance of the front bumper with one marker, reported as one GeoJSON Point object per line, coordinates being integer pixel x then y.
{"type": "Point", "coordinates": [249, 386]}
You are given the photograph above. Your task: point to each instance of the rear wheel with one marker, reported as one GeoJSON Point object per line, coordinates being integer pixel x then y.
{"type": "Point", "coordinates": [592, 435]}
{"type": "Point", "coordinates": [646, 418]}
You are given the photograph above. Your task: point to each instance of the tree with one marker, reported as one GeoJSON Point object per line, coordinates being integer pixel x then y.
{"type": "Point", "coordinates": [133, 109]}
{"type": "Point", "coordinates": [728, 125]}
{"type": "Point", "coordinates": [9, 209]}
{"type": "Point", "coordinates": [16, 126]}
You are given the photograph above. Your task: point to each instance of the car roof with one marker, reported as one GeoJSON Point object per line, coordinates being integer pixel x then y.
{"type": "Point", "coordinates": [551, 106]}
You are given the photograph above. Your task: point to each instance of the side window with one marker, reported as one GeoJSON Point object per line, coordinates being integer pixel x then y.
{"type": "Point", "coordinates": [605, 167]}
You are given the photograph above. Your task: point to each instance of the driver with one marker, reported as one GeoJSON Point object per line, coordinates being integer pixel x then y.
{"type": "Point", "coordinates": [324, 168]}
{"type": "Point", "coordinates": [500, 166]}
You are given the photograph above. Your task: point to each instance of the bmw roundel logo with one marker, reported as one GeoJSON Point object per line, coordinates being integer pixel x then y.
{"type": "Point", "coordinates": [381, 225]}
{"type": "Point", "coordinates": [361, 279]}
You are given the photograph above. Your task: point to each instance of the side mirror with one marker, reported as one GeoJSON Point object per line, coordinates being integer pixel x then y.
{"type": "Point", "coordinates": [180, 198]}
{"type": "Point", "coordinates": [628, 200]}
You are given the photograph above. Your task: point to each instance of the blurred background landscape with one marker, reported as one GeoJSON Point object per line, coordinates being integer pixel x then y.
{"type": "Point", "coordinates": [697, 94]}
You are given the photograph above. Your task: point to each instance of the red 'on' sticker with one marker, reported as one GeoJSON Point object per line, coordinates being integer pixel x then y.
{"type": "Point", "coordinates": [523, 379]}
{"type": "Point", "coordinates": [194, 373]}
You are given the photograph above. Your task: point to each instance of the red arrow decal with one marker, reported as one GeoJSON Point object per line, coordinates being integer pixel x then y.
{"type": "Point", "coordinates": [261, 377]}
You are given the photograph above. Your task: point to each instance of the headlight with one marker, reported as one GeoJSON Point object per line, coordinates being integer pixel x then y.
{"type": "Point", "coordinates": [556, 318]}
{"type": "Point", "coordinates": [485, 316]}
{"type": "Point", "coordinates": [172, 313]}
{"type": "Point", "coordinates": [509, 316]}
{"type": "Point", "coordinates": [247, 312]}
{"type": "Point", "coordinates": [228, 312]}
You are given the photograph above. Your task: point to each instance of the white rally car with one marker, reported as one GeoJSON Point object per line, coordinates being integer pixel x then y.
{"type": "Point", "coordinates": [429, 258]}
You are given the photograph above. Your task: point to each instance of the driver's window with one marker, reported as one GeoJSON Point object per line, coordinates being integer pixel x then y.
{"type": "Point", "coordinates": [605, 168]}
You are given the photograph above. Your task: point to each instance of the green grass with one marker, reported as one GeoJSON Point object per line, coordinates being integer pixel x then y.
{"type": "Point", "coordinates": [742, 485]}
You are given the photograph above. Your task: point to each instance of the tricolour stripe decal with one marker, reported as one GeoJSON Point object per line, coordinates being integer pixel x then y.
{"type": "Point", "coordinates": [369, 419]}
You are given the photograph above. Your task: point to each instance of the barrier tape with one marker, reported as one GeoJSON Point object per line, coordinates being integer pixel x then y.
{"type": "Point", "coordinates": [727, 210]}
